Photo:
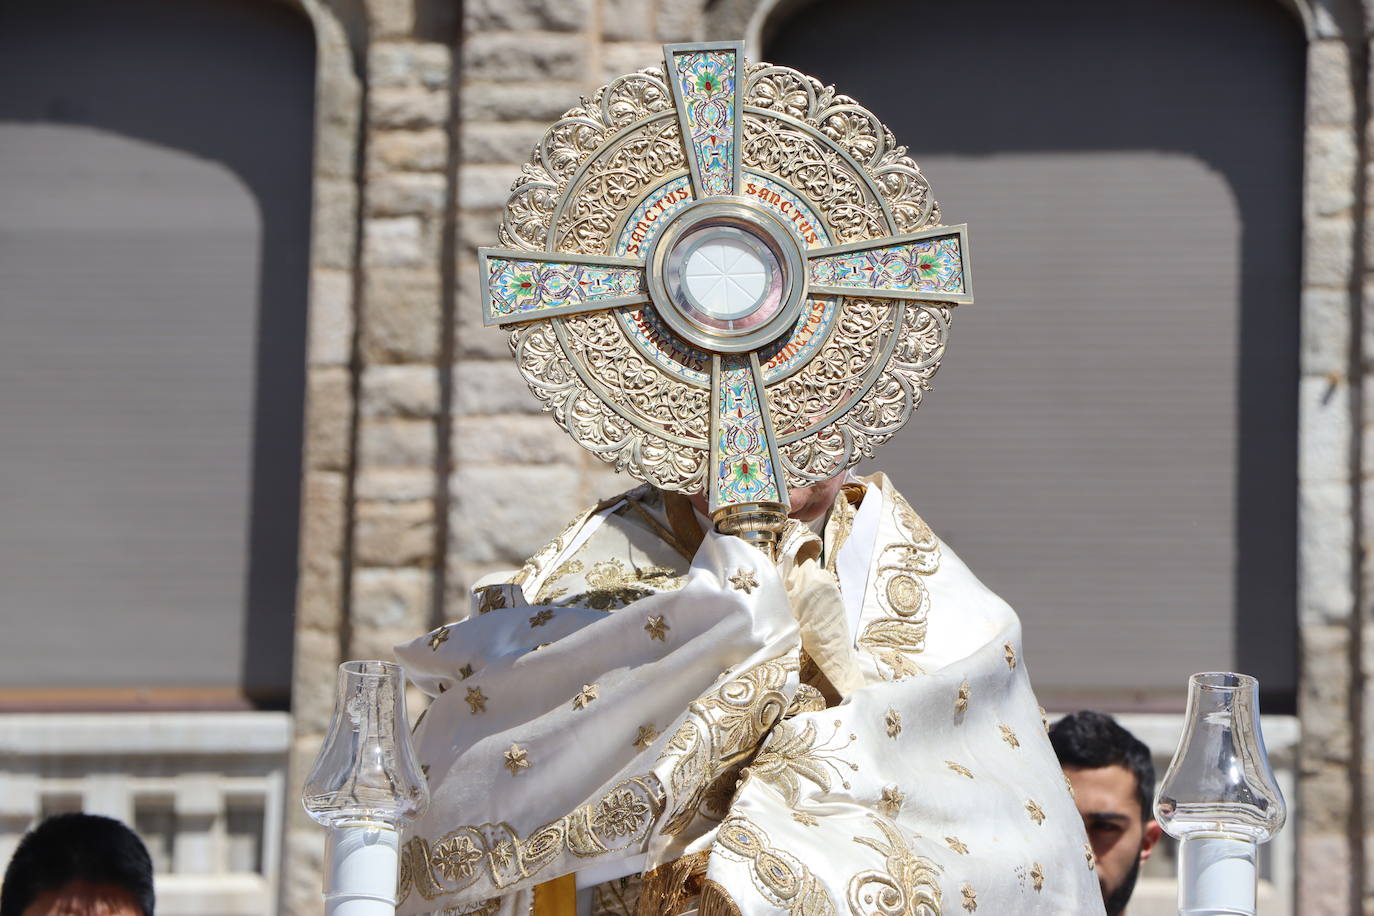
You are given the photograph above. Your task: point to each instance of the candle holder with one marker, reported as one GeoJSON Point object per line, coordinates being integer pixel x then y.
{"type": "Point", "coordinates": [365, 787]}
{"type": "Point", "coordinates": [1219, 797]}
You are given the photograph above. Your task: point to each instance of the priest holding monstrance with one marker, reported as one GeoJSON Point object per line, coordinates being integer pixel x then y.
{"type": "Point", "coordinates": [757, 683]}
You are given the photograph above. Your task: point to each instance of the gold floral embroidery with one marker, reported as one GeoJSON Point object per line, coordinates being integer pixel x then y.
{"type": "Point", "coordinates": [961, 700]}
{"type": "Point", "coordinates": [806, 699]}
{"type": "Point", "coordinates": [543, 617]}
{"type": "Point", "coordinates": [722, 730]}
{"type": "Point", "coordinates": [657, 628]}
{"type": "Point", "coordinates": [517, 759]}
{"type": "Point", "coordinates": [894, 722]}
{"type": "Point", "coordinates": [548, 593]}
{"type": "Point", "coordinates": [490, 598]}
{"type": "Point", "coordinates": [956, 844]}
{"type": "Point", "coordinates": [1037, 876]}
{"type": "Point", "coordinates": [970, 898]}
{"type": "Point", "coordinates": [793, 754]}
{"type": "Point", "coordinates": [456, 858]}
{"type": "Point", "coordinates": [438, 638]}
{"type": "Point", "coordinates": [744, 580]}
{"type": "Point", "coordinates": [1009, 736]}
{"type": "Point", "coordinates": [476, 700]}
{"type": "Point", "coordinates": [782, 880]}
{"type": "Point", "coordinates": [583, 699]}
{"type": "Point", "coordinates": [587, 832]}
{"type": "Point", "coordinates": [900, 634]}
{"type": "Point", "coordinates": [620, 813]}
{"type": "Point", "coordinates": [959, 768]}
{"type": "Point", "coordinates": [1034, 811]}
{"type": "Point", "coordinates": [612, 585]}
{"type": "Point", "coordinates": [1009, 653]}
{"type": "Point", "coordinates": [910, 885]}
{"type": "Point", "coordinates": [892, 800]}
{"type": "Point", "coordinates": [465, 672]}
{"type": "Point", "coordinates": [647, 736]}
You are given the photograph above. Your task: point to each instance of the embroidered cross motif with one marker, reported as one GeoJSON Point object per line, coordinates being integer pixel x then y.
{"type": "Point", "coordinates": [438, 638]}
{"type": "Point", "coordinates": [970, 898]}
{"type": "Point", "coordinates": [647, 736]}
{"type": "Point", "coordinates": [743, 580]}
{"type": "Point", "coordinates": [894, 722]}
{"type": "Point", "coordinates": [961, 701]}
{"type": "Point", "coordinates": [583, 699]}
{"type": "Point", "coordinates": [1009, 653]}
{"type": "Point", "coordinates": [1009, 736]}
{"type": "Point", "coordinates": [953, 842]}
{"type": "Point", "coordinates": [1035, 812]}
{"type": "Point", "coordinates": [1038, 876]}
{"type": "Point", "coordinates": [1092, 859]}
{"type": "Point", "coordinates": [476, 701]}
{"type": "Point", "coordinates": [517, 759]}
{"type": "Point", "coordinates": [657, 628]}
{"type": "Point", "coordinates": [543, 617]}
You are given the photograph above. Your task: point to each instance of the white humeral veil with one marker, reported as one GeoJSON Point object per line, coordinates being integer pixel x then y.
{"type": "Point", "coordinates": [609, 739]}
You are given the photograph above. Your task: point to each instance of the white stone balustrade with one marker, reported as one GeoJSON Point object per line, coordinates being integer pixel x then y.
{"type": "Point", "coordinates": [205, 791]}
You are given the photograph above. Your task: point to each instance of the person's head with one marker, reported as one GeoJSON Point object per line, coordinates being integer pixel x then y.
{"type": "Point", "coordinates": [1113, 783]}
{"type": "Point", "coordinates": [806, 503]}
{"type": "Point", "coordinates": [78, 865]}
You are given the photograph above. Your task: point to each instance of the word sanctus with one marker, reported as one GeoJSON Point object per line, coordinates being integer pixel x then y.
{"type": "Point", "coordinates": [640, 231]}
{"type": "Point", "coordinates": [786, 208]}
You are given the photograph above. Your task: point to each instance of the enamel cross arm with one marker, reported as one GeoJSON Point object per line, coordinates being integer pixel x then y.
{"type": "Point", "coordinates": [725, 278]}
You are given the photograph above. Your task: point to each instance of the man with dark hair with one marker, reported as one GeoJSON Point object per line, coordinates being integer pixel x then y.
{"type": "Point", "coordinates": [1113, 782]}
{"type": "Point", "coordinates": [79, 865]}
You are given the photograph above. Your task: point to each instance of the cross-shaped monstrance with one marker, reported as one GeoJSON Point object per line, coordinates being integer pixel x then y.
{"type": "Point", "coordinates": [728, 275]}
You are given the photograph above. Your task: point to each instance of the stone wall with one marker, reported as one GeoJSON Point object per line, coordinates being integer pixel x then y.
{"type": "Point", "coordinates": [424, 446]}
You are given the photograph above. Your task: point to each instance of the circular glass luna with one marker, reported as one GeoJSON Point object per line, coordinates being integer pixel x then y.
{"type": "Point", "coordinates": [726, 275]}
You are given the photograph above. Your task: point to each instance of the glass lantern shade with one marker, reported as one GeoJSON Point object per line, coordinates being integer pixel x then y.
{"type": "Point", "coordinates": [1220, 781]}
{"type": "Point", "coordinates": [366, 772]}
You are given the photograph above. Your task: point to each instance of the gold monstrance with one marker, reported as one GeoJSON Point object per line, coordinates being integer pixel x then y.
{"type": "Point", "coordinates": [724, 277]}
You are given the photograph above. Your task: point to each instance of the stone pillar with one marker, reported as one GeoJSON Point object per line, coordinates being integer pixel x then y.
{"type": "Point", "coordinates": [1328, 700]}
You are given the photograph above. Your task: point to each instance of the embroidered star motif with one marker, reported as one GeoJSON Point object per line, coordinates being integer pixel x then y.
{"type": "Point", "coordinates": [657, 628]}
{"type": "Point", "coordinates": [1035, 812]}
{"type": "Point", "coordinates": [953, 842]}
{"type": "Point", "coordinates": [970, 898]}
{"type": "Point", "coordinates": [1037, 876]}
{"type": "Point", "coordinates": [894, 722]}
{"type": "Point", "coordinates": [959, 768]}
{"type": "Point", "coordinates": [543, 617]}
{"type": "Point", "coordinates": [647, 736]}
{"type": "Point", "coordinates": [961, 701]}
{"type": "Point", "coordinates": [437, 638]}
{"type": "Point", "coordinates": [806, 820]}
{"type": "Point", "coordinates": [584, 699]}
{"type": "Point", "coordinates": [1009, 736]}
{"type": "Point", "coordinates": [892, 800]}
{"type": "Point", "coordinates": [477, 702]}
{"type": "Point", "coordinates": [465, 672]}
{"type": "Point", "coordinates": [517, 759]}
{"type": "Point", "coordinates": [743, 580]}
{"type": "Point", "coordinates": [503, 854]}
{"type": "Point", "coordinates": [1009, 654]}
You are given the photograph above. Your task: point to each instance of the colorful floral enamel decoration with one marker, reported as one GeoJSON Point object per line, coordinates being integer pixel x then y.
{"type": "Point", "coordinates": [725, 277]}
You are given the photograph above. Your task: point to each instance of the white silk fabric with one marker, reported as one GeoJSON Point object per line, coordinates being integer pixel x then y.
{"type": "Point", "coordinates": [651, 708]}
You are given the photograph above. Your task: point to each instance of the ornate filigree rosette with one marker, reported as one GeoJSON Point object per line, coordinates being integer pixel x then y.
{"type": "Point", "coordinates": [725, 276]}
